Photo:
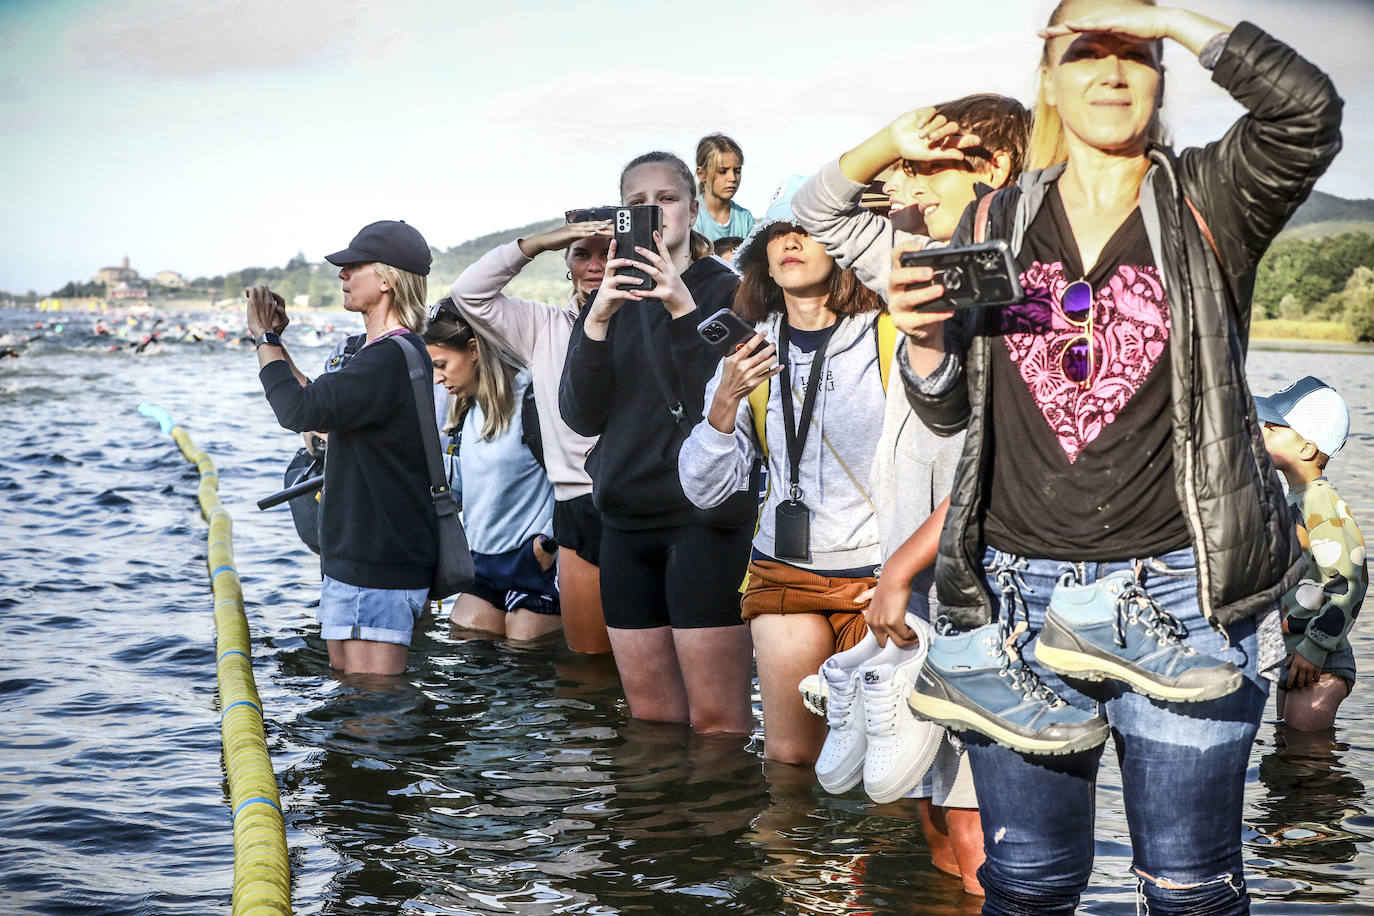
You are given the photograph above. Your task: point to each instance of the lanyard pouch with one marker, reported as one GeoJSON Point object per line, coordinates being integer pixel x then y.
{"type": "Point", "coordinates": [792, 531]}
{"type": "Point", "coordinates": [792, 518]}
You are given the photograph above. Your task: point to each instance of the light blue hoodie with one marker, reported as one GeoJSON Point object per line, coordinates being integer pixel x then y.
{"type": "Point", "coordinates": [848, 413]}
{"type": "Point", "coordinates": [506, 496]}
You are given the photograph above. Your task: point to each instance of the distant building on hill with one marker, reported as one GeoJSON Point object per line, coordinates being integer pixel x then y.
{"type": "Point", "coordinates": [127, 290]}
{"type": "Point", "coordinates": [113, 276]}
{"type": "Point", "coordinates": [170, 279]}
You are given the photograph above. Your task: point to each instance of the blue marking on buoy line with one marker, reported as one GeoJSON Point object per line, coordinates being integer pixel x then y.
{"type": "Point", "coordinates": [163, 418]}
{"type": "Point", "coordinates": [233, 601]}
{"type": "Point", "coordinates": [221, 569]}
{"type": "Point", "coordinates": [234, 652]}
{"type": "Point", "coordinates": [240, 703]}
{"type": "Point", "coordinates": [257, 800]}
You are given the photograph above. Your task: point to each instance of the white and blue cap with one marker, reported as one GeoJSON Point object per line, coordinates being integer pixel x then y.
{"type": "Point", "coordinates": [1312, 409]}
{"type": "Point", "coordinates": [779, 211]}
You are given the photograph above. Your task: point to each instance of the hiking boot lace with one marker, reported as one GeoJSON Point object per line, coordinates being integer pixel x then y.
{"type": "Point", "coordinates": [1023, 679]}
{"type": "Point", "coordinates": [1135, 606]}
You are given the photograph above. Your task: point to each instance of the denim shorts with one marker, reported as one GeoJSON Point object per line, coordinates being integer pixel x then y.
{"type": "Point", "coordinates": [376, 614]}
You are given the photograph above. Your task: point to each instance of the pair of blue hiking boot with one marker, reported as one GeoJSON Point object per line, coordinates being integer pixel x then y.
{"type": "Point", "coordinates": [1109, 629]}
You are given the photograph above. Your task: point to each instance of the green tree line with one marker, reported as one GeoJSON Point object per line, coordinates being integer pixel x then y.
{"type": "Point", "coordinates": [1327, 279]}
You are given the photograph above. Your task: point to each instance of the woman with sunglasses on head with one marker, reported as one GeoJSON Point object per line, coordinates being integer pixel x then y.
{"type": "Point", "coordinates": [499, 483]}
{"type": "Point", "coordinates": [634, 376]}
{"type": "Point", "coordinates": [1116, 543]}
{"type": "Point", "coordinates": [535, 335]}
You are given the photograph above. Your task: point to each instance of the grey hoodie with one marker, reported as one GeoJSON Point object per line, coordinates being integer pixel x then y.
{"type": "Point", "coordinates": [913, 469]}
{"type": "Point", "coordinates": [848, 413]}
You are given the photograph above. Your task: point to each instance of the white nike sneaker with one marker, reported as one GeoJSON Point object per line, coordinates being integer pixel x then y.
{"type": "Point", "coordinates": [840, 766]}
{"type": "Point", "coordinates": [900, 747]}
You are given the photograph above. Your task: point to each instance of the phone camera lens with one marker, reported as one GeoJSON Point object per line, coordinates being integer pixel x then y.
{"type": "Point", "coordinates": [714, 333]}
{"type": "Point", "coordinates": [952, 279]}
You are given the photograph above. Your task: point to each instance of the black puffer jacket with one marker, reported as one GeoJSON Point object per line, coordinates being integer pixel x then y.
{"type": "Point", "coordinates": [1245, 186]}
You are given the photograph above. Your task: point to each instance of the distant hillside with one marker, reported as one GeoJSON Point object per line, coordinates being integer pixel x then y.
{"type": "Point", "coordinates": [544, 280]}
{"type": "Point", "coordinates": [1327, 228]}
{"type": "Point", "coordinates": [1323, 215]}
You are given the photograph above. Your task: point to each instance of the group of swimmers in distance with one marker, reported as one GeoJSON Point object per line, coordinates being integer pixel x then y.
{"type": "Point", "coordinates": [989, 538]}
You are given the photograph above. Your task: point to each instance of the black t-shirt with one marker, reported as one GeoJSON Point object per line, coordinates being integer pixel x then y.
{"type": "Point", "coordinates": [1083, 470]}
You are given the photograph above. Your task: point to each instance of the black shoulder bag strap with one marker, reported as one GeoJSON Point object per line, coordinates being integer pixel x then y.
{"type": "Point", "coordinates": [652, 353]}
{"type": "Point", "coordinates": [453, 572]}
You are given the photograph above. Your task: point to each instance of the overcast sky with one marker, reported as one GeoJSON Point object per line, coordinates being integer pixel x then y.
{"type": "Point", "coordinates": [210, 135]}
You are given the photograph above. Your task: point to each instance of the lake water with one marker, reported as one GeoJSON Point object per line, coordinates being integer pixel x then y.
{"type": "Point", "coordinates": [490, 780]}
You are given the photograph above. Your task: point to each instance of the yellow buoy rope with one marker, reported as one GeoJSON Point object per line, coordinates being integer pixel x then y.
{"type": "Point", "coordinates": [262, 875]}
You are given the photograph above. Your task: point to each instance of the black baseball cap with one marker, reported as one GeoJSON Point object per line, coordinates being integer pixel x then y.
{"type": "Point", "coordinates": [389, 241]}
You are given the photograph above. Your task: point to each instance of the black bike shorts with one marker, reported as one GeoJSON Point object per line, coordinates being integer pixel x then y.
{"type": "Point", "coordinates": [685, 577]}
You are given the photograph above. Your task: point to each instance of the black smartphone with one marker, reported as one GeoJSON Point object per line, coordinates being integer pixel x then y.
{"type": "Point", "coordinates": [727, 332]}
{"type": "Point", "coordinates": [635, 226]}
{"type": "Point", "coordinates": [973, 275]}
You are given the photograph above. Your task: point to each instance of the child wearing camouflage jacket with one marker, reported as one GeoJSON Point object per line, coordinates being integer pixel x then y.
{"type": "Point", "coordinates": [1304, 426]}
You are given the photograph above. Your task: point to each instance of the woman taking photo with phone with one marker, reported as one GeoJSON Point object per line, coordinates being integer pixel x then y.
{"type": "Point", "coordinates": [1114, 508]}
{"type": "Point", "coordinates": [535, 335]}
{"type": "Point", "coordinates": [499, 484]}
{"type": "Point", "coordinates": [634, 376]}
{"type": "Point", "coordinates": [823, 416]}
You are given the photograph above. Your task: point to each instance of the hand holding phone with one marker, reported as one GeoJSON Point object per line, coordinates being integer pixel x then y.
{"type": "Point", "coordinates": [749, 361]}
{"type": "Point", "coordinates": [726, 331]}
{"type": "Point", "coordinates": [634, 227]}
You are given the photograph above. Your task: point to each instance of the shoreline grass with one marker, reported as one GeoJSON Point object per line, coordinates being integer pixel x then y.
{"type": "Point", "coordinates": [1289, 329]}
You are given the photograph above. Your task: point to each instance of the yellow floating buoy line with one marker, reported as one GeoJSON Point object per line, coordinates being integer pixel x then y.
{"type": "Point", "coordinates": [262, 874]}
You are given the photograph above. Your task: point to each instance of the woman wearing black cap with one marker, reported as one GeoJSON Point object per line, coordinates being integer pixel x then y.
{"type": "Point", "coordinates": [377, 528]}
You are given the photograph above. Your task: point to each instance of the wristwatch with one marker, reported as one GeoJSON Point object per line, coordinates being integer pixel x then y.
{"type": "Point", "coordinates": [267, 337]}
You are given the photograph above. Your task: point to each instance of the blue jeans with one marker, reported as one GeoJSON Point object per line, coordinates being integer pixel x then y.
{"type": "Point", "coordinates": [1182, 764]}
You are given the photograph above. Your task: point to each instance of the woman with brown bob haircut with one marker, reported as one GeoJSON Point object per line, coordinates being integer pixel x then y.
{"type": "Point", "coordinates": [816, 548]}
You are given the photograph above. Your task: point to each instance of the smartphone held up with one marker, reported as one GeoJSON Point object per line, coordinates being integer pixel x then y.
{"type": "Point", "coordinates": [727, 332]}
{"type": "Point", "coordinates": [973, 275]}
{"type": "Point", "coordinates": [633, 227]}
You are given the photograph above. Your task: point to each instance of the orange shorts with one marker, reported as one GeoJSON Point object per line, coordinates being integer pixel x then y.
{"type": "Point", "coordinates": [778, 588]}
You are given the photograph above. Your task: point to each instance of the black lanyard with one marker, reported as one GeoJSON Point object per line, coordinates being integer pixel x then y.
{"type": "Point", "coordinates": [796, 432]}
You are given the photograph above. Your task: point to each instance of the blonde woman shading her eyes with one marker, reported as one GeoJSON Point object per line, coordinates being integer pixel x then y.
{"type": "Point", "coordinates": [1116, 544]}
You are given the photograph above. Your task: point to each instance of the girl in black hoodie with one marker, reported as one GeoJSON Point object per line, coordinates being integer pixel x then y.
{"type": "Point", "coordinates": [635, 375]}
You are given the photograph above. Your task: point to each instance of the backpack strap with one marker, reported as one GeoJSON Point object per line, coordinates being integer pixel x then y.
{"type": "Point", "coordinates": [530, 432]}
{"type": "Point", "coordinates": [758, 406]}
{"type": "Point", "coordinates": [980, 218]}
{"type": "Point", "coordinates": [887, 345]}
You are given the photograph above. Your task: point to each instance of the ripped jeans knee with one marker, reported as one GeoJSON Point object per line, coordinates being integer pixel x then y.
{"type": "Point", "coordinates": [1223, 895]}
